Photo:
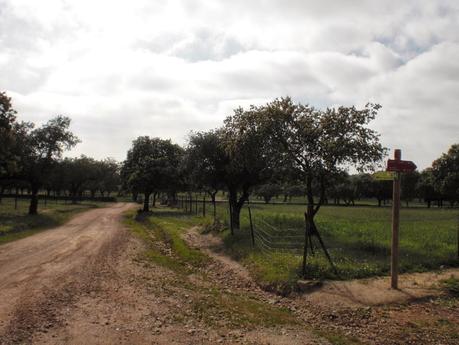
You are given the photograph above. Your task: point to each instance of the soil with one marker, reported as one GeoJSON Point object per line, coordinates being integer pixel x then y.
{"type": "Point", "coordinates": [86, 283]}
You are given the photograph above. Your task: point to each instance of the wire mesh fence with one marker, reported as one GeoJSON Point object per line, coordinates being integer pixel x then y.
{"type": "Point", "coordinates": [271, 239]}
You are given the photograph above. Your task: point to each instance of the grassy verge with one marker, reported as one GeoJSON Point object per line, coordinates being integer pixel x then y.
{"type": "Point", "coordinates": [15, 223]}
{"type": "Point", "coordinates": [161, 232]}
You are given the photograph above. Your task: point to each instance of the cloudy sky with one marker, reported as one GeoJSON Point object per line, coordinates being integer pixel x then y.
{"type": "Point", "coordinates": [121, 69]}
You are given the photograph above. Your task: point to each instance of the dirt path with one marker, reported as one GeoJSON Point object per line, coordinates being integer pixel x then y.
{"type": "Point", "coordinates": [42, 275]}
{"type": "Point", "coordinates": [87, 282]}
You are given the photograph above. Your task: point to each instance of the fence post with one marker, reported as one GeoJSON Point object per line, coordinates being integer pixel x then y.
{"type": "Point", "coordinates": [196, 204]}
{"type": "Point", "coordinates": [395, 224]}
{"type": "Point", "coordinates": [251, 224]}
{"type": "Point", "coordinates": [191, 203]}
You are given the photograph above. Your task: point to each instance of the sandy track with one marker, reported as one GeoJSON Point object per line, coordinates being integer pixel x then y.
{"type": "Point", "coordinates": [86, 283]}
{"type": "Point", "coordinates": [41, 274]}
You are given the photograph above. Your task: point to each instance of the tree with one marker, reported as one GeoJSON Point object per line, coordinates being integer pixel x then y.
{"type": "Point", "coordinates": [381, 190]}
{"type": "Point", "coordinates": [319, 144]}
{"type": "Point", "coordinates": [78, 172]}
{"type": "Point", "coordinates": [109, 171]}
{"type": "Point", "coordinates": [12, 134]}
{"type": "Point", "coordinates": [408, 183]}
{"type": "Point", "coordinates": [41, 149]}
{"type": "Point", "coordinates": [249, 159]}
{"type": "Point", "coordinates": [427, 188]}
{"type": "Point", "coordinates": [268, 191]}
{"type": "Point", "coordinates": [151, 166]}
{"type": "Point", "coordinates": [205, 162]}
{"type": "Point", "coordinates": [445, 171]}
{"type": "Point", "coordinates": [291, 190]}
{"type": "Point", "coordinates": [104, 177]}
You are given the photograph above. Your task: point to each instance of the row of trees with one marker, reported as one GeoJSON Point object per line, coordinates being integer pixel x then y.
{"type": "Point", "coordinates": [281, 141]}
{"type": "Point", "coordinates": [439, 184]}
{"type": "Point", "coordinates": [282, 148]}
{"type": "Point", "coordinates": [31, 158]}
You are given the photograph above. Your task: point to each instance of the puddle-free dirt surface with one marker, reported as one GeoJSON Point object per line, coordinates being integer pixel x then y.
{"type": "Point", "coordinates": [87, 282]}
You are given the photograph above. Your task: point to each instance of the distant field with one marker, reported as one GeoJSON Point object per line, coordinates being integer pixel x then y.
{"type": "Point", "coordinates": [16, 223]}
{"type": "Point", "coordinates": [358, 239]}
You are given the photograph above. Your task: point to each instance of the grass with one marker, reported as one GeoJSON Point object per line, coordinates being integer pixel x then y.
{"type": "Point", "coordinates": [358, 239]}
{"type": "Point", "coordinates": [161, 231]}
{"type": "Point", "coordinates": [15, 223]}
{"type": "Point", "coordinates": [164, 227]}
{"type": "Point", "coordinates": [451, 285]}
{"type": "Point", "coordinates": [237, 310]}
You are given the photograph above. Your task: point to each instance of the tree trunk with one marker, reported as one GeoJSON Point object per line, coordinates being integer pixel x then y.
{"type": "Point", "coordinates": [309, 222]}
{"type": "Point", "coordinates": [33, 207]}
{"type": "Point", "coordinates": [214, 204]}
{"type": "Point", "coordinates": [154, 199]}
{"type": "Point", "coordinates": [236, 206]}
{"type": "Point", "coordinates": [146, 202]}
{"type": "Point", "coordinates": [74, 196]}
{"type": "Point", "coordinates": [2, 189]}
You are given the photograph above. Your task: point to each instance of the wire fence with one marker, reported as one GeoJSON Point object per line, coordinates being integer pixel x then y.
{"type": "Point", "coordinates": [271, 239]}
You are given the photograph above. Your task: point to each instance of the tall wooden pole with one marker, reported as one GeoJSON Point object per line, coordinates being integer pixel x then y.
{"type": "Point", "coordinates": [395, 224]}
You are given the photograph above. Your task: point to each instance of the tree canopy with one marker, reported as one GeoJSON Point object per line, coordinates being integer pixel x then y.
{"type": "Point", "coordinates": [152, 166]}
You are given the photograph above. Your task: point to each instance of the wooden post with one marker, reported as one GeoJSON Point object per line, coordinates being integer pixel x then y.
{"type": "Point", "coordinates": [204, 206]}
{"type": "Point", "coordinates": [395, 224]}
{"type": "Point", "coordinates": [196, 204]}
{"type": "Point", "coordinates": [191, 203]}
{"type": "Point", "coordinates": [251, 224]}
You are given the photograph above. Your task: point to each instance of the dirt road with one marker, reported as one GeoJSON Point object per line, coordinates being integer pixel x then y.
{"type": "Point", "coordinates": [85, 283]}
{"type": "Point", "coordinates": [41, 274]}
{"type": "Point", "coordinates": [91, 282]}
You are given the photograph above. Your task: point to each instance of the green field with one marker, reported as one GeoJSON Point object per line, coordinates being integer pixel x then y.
{"type": "Point", "coordinates": [16, 223]}
{"type": "Point", "coordinates": [358, 239]}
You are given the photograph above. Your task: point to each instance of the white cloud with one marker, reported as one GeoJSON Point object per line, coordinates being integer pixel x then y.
{"type": "Point", "coordinates": [122, 69]}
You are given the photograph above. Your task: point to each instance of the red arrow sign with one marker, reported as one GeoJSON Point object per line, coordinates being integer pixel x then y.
{"type": "Point", "coordinates": [400, 166]}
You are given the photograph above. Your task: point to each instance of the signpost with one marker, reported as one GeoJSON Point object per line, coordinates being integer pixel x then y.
{"type": "Point", "coordinates": [398, 166]}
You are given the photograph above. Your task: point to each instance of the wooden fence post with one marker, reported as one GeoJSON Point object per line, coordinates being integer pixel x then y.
{"type": "Point", "coordinates": [395, 224]}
